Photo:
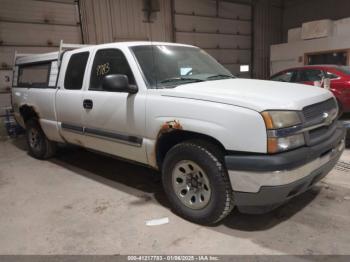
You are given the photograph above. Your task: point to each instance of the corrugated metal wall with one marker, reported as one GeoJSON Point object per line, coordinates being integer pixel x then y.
{"type": "Point", "coordinates": [33, 26]}
{"type": "Point", "coordinates": [223, 29]}
{"type": "Point", "coordinates": [124, 20]}
{"type": "Point", "coordinates": [36, 26]}
{"type": "Point", "coordinates": [220, 27]}
{"type": "Point", "coordinates": [268, 16]}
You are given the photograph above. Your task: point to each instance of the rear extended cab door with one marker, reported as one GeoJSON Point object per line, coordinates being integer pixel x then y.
{"type": "Point", "coordinates": [69, 97]}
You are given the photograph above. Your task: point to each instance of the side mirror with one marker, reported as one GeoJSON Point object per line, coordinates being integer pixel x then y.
{"type": "Point", "coordinates": [118, 83]}
{"type": "Point", "coordinates": [327, 83]}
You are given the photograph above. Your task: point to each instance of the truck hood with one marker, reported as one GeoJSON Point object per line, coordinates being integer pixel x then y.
{"type": "Point", "coordinates": [257, 95]}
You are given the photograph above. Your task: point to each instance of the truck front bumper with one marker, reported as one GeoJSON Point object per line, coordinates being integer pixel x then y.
{"type": "Point", "coordinates": [264, 182]}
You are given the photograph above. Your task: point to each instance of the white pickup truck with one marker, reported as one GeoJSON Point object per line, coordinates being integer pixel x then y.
{"type": "Point", "coordinates": [219, 141]}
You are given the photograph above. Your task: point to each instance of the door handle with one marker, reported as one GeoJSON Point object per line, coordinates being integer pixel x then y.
{"type": "Point", "coordinates": [88, 104]}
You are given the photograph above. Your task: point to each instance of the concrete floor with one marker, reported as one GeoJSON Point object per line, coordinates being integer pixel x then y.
{"type": "Point", "coordinates": [84, 203]}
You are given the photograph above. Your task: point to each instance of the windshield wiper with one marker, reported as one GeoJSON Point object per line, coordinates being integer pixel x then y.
{"type": "Point", "coordinates": [179, 79]}
{"type": "Point", "coordinates": [219, 76]}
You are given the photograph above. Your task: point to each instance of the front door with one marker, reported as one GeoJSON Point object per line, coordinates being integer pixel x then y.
{"type": "Point", "coordinates": [114, 122]}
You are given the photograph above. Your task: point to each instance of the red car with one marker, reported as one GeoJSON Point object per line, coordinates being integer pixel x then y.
{"type": "Point", "coordinates": [339, 80]}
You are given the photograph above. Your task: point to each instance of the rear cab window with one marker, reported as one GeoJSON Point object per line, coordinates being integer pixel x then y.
{"type": "Point", "coordinates": [75, 71]}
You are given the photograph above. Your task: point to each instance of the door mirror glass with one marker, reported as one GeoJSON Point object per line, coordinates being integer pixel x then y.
{"type": "Point", "coordinates": [118, 83]}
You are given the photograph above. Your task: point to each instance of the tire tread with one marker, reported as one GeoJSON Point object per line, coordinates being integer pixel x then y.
{"type": "Point", "coordinates": [217, 156]}
{"type": "Point", "coordinates": [50, 146]}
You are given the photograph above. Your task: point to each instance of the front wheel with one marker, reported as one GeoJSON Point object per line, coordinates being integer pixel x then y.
{"type": "Point", "coordinates": [38, 144]}
{"type": "Point", "coordinates": [196, 182]}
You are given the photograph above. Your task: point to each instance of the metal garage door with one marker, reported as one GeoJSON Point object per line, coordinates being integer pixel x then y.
{"type": "Point", "coordinates": [34, 26]}
{"type": "Point", "coordinates": [107, 21]}
{"type": "Point", "coordinates": [221, 28]}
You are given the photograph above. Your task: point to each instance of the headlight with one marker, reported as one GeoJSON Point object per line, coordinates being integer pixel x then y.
{"type": "Point", "coordinates": [280, 144]}
{"type": "Point", "coordinates": [280, 119]}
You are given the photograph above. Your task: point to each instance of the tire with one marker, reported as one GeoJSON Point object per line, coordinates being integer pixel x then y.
{"type": "Point", "coordinates": [39, 145]}
{"type": "Point", "coordinates": [209, 196]}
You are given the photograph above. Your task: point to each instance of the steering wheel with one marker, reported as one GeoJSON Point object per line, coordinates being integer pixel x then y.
{"type": "Point", "coordinates": [189, 72]}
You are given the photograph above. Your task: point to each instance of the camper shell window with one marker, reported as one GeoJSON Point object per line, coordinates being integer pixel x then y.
{"type": "Point", "coordinates": [34, 75]}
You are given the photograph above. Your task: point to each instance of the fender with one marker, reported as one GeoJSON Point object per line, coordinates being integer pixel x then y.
{"type": "Point", "coordinates": [238, 129]}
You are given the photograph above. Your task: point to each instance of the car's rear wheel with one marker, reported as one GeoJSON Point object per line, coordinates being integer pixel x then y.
{"type": "Point", "coordinates": [196, 182]}
{"type": "Point", "coordinates": [39, 145]}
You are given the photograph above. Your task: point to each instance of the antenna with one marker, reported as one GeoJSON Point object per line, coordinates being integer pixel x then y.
{"type": "Point", "coordinates": [154, 68]}
{"type": "Point", "coordinates": [151, 6]}
{"type": "Point", "coordinates": [154, 58]}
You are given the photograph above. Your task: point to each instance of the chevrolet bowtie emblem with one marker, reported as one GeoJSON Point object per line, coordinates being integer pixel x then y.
{"type": "Point", "coordinates": [327, 118]}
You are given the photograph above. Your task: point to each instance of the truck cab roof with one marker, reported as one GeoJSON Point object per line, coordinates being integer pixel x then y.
{"type": "Point", "coordinates": [37, 58]}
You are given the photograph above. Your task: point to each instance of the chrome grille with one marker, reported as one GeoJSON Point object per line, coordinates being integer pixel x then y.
{"type": "Point", "coordinates": [316, 110]}
{"type": "Point", "coordinates": [322, 133]}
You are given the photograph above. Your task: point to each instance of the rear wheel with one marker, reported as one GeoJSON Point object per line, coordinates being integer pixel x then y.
{"type": "Point", "coordinates": [196, 182]}
{"type": "Point", "coordinates": [38, 144]}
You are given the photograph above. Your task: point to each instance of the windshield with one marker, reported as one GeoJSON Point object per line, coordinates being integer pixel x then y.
{"type": "Point", "coordinates": [168, 66]}
{"type": "Point", "coordinates": [344, 69]}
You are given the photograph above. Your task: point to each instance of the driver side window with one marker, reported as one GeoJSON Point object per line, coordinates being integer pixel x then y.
{"type": "Point", "coordinates": [108, 62]}
{"type": "Point", "coordinates": [310, 75]}
{"type": "Point", "coordinates": [284, 77]}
